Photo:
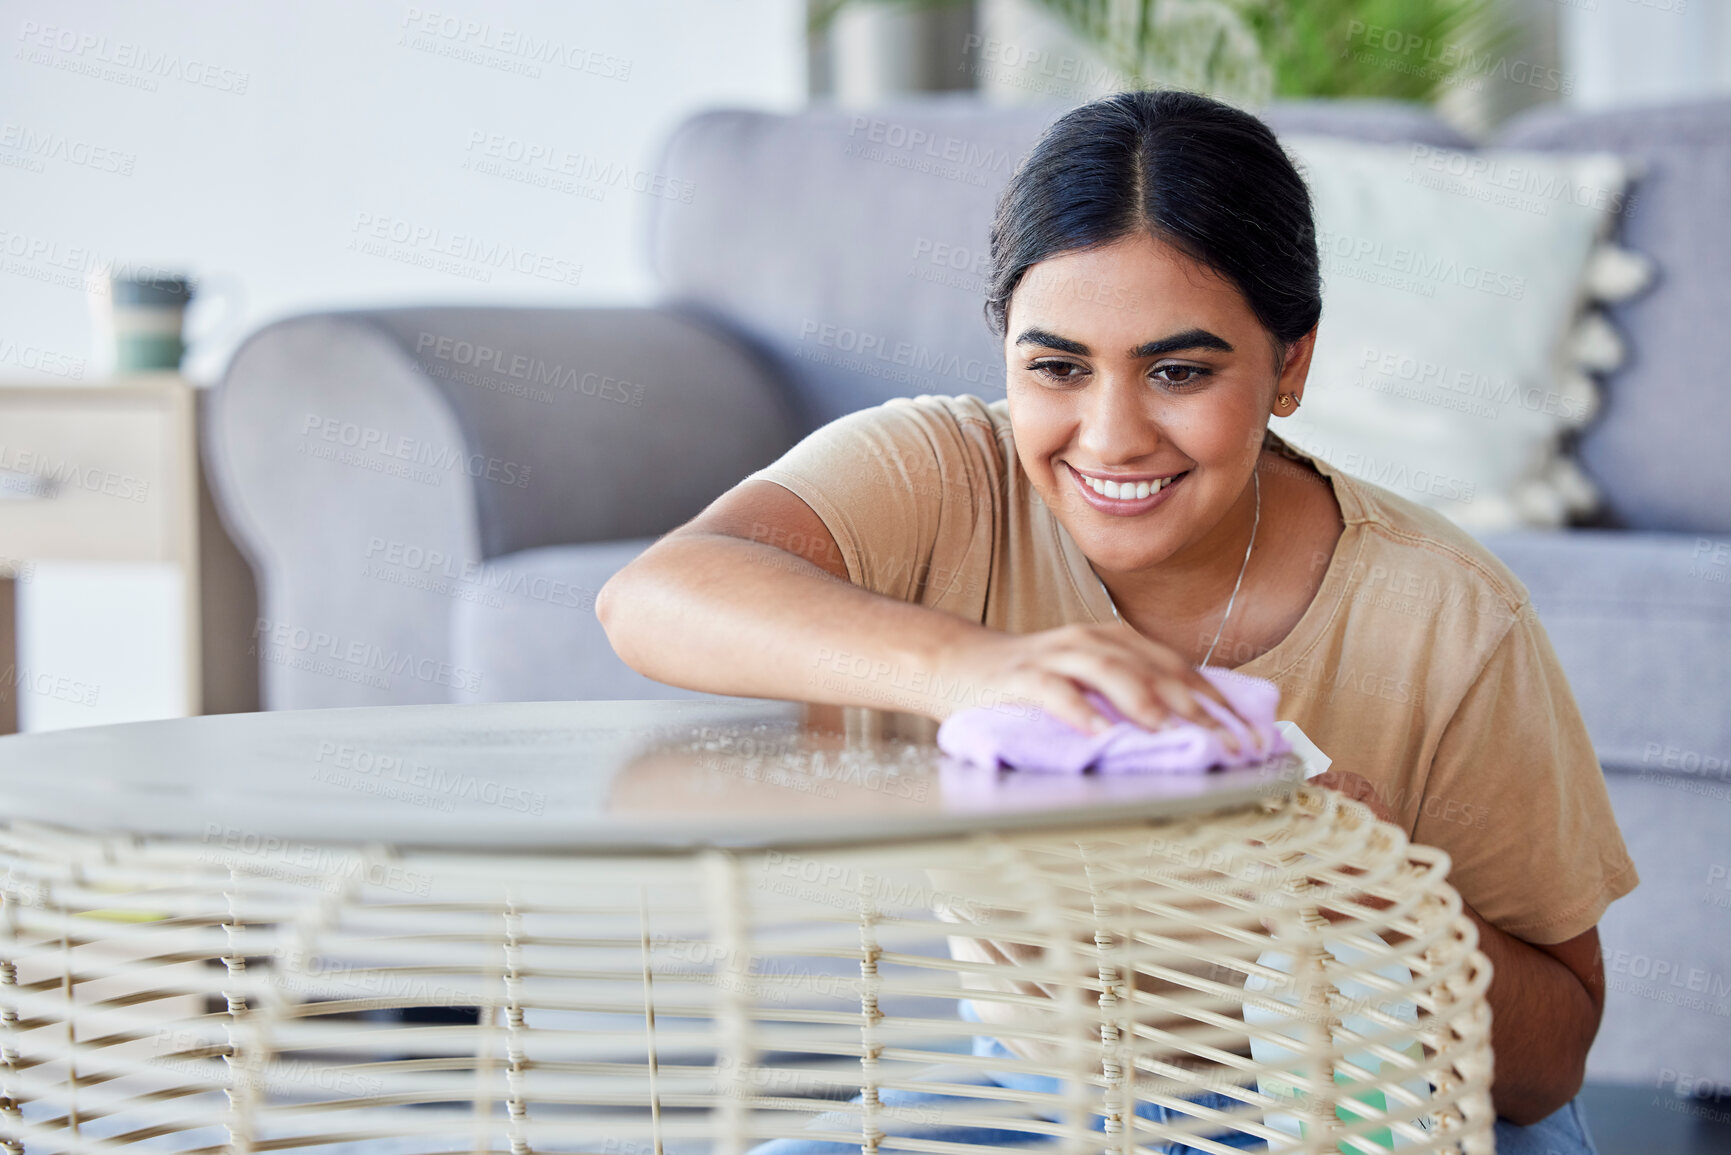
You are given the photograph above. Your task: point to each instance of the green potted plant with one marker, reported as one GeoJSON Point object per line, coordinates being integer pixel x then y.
{"type": "Point", "coordinates": [1247, 51]}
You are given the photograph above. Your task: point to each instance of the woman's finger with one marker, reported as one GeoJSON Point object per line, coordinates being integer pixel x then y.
{"type": "Point", "coordinates": [1200, 687]}
{"type": "Point", "coordinates": [1116, 678]}
{"type": "Point", "coordinates": [1184, 699]}
{"type": "Point", "coordinates": [1062, 697]}
{"type": "Point", "coordinates": [1192, 678]}
{"type": "Point", "coordinates": [1148, 700]}
{"type": "Point", "coordinates": [1184, 693]}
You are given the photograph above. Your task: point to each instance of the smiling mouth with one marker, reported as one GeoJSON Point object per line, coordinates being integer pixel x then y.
{"type": "Point", "coordinates": [1127, 491]}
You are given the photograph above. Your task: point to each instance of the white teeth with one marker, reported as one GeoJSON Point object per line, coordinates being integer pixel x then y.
{"type": "Point", "coordinates": [1128, 491]}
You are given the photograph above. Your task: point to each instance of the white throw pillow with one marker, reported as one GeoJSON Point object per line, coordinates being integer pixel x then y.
{"type": "Point", "coordinates": [1458, 322]}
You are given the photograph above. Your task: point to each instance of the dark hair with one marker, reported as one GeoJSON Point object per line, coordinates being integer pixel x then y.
{"type": "Point", "coordinates": [1205, 177]}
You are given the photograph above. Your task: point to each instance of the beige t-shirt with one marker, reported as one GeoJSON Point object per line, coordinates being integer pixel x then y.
{"type": "Point", "coordinates": [1420, 664]}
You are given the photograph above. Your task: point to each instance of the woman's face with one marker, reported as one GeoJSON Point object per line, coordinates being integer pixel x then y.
{"type": "Point", "coordinates": [1133, 361]}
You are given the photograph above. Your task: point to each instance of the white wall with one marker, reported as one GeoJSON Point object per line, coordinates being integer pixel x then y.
{"type": "Point", "coordinates": [1645, 51]}
{"type": "Point", "coordinates": [254, 143]}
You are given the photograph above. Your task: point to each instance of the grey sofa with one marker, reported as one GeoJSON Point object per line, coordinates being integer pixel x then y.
{"type": "Point", "coordinates": [431, 497]}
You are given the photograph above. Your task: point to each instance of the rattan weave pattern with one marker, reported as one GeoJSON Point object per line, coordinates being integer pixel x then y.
{"type": "Point", "coordinates": [173, 994]}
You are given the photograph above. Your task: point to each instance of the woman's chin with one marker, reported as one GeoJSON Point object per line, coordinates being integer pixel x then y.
{"type": "Point", "coordinates": [1108, 553]}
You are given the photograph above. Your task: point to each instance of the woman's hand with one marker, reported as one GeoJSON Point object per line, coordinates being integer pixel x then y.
{"type": "Point", "coordinates": [1149, 682]}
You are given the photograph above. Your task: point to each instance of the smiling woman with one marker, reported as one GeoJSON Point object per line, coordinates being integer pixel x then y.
{"type": "Point", "coordinates": [1151, 450]}
{"type": "Point", "coordinates": [1125, 515]}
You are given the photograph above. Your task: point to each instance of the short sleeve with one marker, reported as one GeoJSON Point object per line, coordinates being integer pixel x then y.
{"type": "Point", "coordinates": [898, 486]}
{"type": "Point", "coordinates": [1517, 797]}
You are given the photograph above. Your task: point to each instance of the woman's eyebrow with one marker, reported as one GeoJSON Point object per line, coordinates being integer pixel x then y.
{"type": "Point", "coordinates": [1188, 339]}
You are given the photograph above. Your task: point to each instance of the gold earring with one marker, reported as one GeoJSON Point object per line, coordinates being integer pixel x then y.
{"type": "Point", "coordinates": [1285, 399]}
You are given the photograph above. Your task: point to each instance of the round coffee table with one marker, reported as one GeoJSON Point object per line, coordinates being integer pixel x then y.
{"type": "Point", "coordinates": [689, 926]}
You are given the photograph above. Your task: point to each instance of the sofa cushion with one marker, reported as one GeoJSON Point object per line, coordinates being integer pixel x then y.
{"type": "Point", "coordinates": [1642, 625]}
{"type": "Point", "coordinates": [526, 623]}
{"type": "Point", "coordinates": [1658, 447]}
{"type": "Point", "coordinates": [1445, 303]}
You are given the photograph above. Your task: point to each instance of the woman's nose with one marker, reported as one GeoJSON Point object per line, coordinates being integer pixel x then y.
{"type": "Point", "coordinates": [1117, 428]}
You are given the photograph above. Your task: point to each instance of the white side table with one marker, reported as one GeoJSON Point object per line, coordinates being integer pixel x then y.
{"type": "Point", "coordinates": [98, 473]}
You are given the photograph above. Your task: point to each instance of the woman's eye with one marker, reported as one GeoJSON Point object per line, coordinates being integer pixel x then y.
{"type": "Point", "coordinates": [1173, 375]}
{"type": "Point", "coordinates": [1048, 369]}
{"type": "Point", "coordinates": [1185, 374]}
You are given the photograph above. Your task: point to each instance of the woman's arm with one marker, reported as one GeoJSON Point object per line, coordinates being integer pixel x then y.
{"type": "Point", "coordinates": [721, 606]}
{"type": "Point", "coordinates": [1546, 1000]}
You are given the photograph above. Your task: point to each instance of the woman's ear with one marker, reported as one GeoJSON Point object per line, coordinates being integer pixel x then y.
{"type": "Point", "coordinates": [1297, 365]}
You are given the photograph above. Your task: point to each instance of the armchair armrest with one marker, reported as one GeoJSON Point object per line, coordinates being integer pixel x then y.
{"type": "Point", "coordinates": [369, 462]}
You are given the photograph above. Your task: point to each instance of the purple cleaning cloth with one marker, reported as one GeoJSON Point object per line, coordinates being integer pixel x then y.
{"type": "Point", "coordinates": [1041, 741]}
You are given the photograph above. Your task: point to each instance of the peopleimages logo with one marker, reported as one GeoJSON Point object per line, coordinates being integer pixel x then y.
{"type": "Point", "coordinates": [581, 167]}
{"type": "Point", "coordinates": [452, 785]}
{"type": "Point", "coordinates": [137, 65]}
{"type": "Point", "coordinates": [364, 439]}
{"type": "Point", "coordinates": [1669, 981]}
{"type": "Point", "coordinates": [1431, 380]}
{"type": "Point", "coordinates": [42, 360]}
{"type": "Point", "coordinates": [39, 145]}
{"type": "Point", "coordinates": [432, 246]}
{"type": "Point", "coordinates": [429, 30]}
{"type": "Point", "coordinates": [1690, 762]}
{"type": "Point", "coordinates": [1455, 59]}
{"type": "Point", "coordinates": [283, 640]}
{"type": "Point", "coordinates": [32, 470]}
{"type": "Point", "coordinates": [914, 139]}
{"type": "Point", "coordinates": [269, 856]}
{"type": "Point", "coordinates": [1411, 269]}
{"type": "Point", "coordinates": [864, 348]}
{"type": "Point", "coordinates": [519, 366]}
{"type": "Point", "coordinates": [1497, 172]}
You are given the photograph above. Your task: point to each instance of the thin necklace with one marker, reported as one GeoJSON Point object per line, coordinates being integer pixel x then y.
{"type": "Point", "coordinates": [1256, 475]}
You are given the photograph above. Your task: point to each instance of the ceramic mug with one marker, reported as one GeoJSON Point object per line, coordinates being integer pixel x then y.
{"type": "Point", "coordinates": [141, 316]}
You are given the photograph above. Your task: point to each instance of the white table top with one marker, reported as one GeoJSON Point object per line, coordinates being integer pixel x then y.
{"type": "Point", "coordinates": [567, 777]}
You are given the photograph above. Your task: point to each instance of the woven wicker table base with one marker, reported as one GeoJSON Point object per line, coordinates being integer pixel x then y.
{"type": "Point", "coordinates": [225, 994]}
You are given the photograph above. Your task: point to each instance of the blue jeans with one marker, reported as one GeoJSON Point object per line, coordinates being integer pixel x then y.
{"type": "Point", "coordinates": [1562, 1133]}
